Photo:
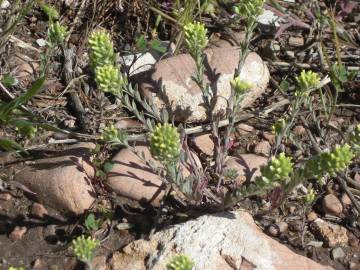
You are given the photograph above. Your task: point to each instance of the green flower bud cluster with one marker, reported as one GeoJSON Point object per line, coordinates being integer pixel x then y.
{"type": "Point", "coordinates": [250, 8]}
{"type": "Point", "coordinates": [101, 49]}
{"type": "Point", "coordinates": [329, 162]}
{"type": "Point", "coordinates": [180, 262]}
{"type": "Point", "coordinates": [240, 86]}
{"type": "Point", "coordinates": [165, 143]}
{"type": "Point", "coordinates": [306, 81]}
{"type": "Point", "coordinates": [109, 79]}
{"type": "Point", "coordinates": [279, 126]}
{"type": "Point", "coordinates": [310, 196]}
{"type": "Point", "coordinates": [84, 248]}
{"type": "Point", "coordinates": [57, 33]}
{"type": "Point", "coordinates": [111, 134]}
{"type": "Point", "coordinates": [28, 131]}
{"type": "Point", "coordinates": [195, 38]}
{"type": "Point", "coordinates": [277, 169]}
{"type": "Point", "coordinates": [103, 59]}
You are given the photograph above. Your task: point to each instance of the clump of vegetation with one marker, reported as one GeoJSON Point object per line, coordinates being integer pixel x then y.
{"type": "Point", "coordinates": [180, 262]}
{"type": "Point", "coordinates": [84, 249]}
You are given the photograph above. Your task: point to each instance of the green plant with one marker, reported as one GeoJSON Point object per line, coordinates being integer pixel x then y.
{"type": "Point", "coordinates": [109, 79]}
{"type": "Point", "coordinates": [165, 144]}
{"type": "Point", "coordinates": [84, 248]}
{"type": "Point", "coordinates": [92, 223]}
{"type": "Point", "coordinates": [180, 262]}
{"type": "Point", "coordinates": [101, 49]}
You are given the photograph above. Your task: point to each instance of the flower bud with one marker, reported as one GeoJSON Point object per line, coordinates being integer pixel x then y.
{"type": "Point", "coordinates": [101, 49]}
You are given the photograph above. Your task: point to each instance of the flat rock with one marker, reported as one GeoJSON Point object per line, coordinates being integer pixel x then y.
{"type": "Point", "coordinates": [130, 177]}
{"type": "Point", "coordinates": [247, 166]}
{"type": "Point", "coordinates": [171, 85]}
{"type": "Point", "coordinates": [63, 182]}
{"type": "Point", "coordinates": [332, 234]}
{"type": "Point", "coordinates": [204, 144]}
{"type": "Point", "coordinates": [211, 245]}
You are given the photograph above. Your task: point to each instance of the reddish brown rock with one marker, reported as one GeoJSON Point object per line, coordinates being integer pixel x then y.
{"type": "Point", "coordinates": [270, 137]}
{"type": "Point", "coordinates": [171, 84]}
{"type": "Point", "coordinates": [38, 210]}
{"type": "Point", "coordinates": [17, 233]}
{"type": "Point", "coordinates": [204, 144]}
{"type": "Point", "coordinates": [299, 130]}
{"type": "Point", "coordinates": [262, 148]}
{"type": "Point", "coordinates": [311, 216]}
{"type": "Point", "coordinates": [247, 166]}
{"type": "Point", "coordinates": [332, 205]}
{"type": "Point", "coordinates": [63, 182]}
{"type": "Point", "coordinates": [5, 196]}
{"type": "Point", "coordinates": [133, 179]}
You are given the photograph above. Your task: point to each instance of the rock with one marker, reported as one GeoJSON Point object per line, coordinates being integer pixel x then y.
{"type": "Point", "coordinates": [353, 266]}
{"type": "Point", "coordinates": [337, 253]}
{"type": "Point", "coordinates": [38, 264]}
{"type": "Point", "coordinates": [299, 131]}
{"type": "Point", "coordinates": [246, 165]}
{"type": "Point", "coordinates": [204, 144]}
{"type": "Point", "coordinates": [243, 129]}
{"type": "Point", "coordinates": [311, 216]}
{"type": "Point", "coordinates": [316, 244]}
{"type": "Point", "coordinates": [133, 179]}
{"type": "Point", "coordinates": [63, 182]}
{"type": "Point", "coordinates": [4, 4]}
{"type": "Point", "coordinates": [38, 210]}
{"type": "Point", "coordinates": [226, 249]}
{"type": "Point", "coordinates": [138, 63]}
{"type": "Point", "coordinates": [17, 233]}
{"type": "Point", "coordinates": [128, 124]}
{"type": "Point", "coordinates": [98, 263]}
{"type": "Point", "coordinates": [353, 240]}
{"type": "Point", "coordinates": [332, 234]}
{"type": "Point", "coordinates": [268, 18]}
{"type": "Point", "coordinates": [331, 205]}
{"type": "Point", "coordinates": [278, 228]}
{"type": "Point", "coordinates": [345, 199]}
{"type": "Point", "coordinates": [270, 137]}
{"type": "Point", "coordinates": [263, 148]}
{"type": "Point", "coordinates": [172, 87]}
{"type": "Point", "coordinates": [5, 196]}
{"type": "Point", "coordinates": [296, 41]}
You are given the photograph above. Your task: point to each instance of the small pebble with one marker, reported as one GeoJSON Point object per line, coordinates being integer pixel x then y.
{"type": "Point", "coordinates": [337, 253]}
{"type": "Point", "coordinates": [311, 216]}
{"type": "Point", "coordinates": [353, 241]}
{"type": "Point", "coordinates": [278, 228]}
{"type": "Point", "coordinates": [17, 233]}
{"type": "Point", "coordinates": [5, 196]}
{"type": "Point", "coordinates": [299, 130]}
{"type": "Point", "coordinates": [270, 137]}
{"type": "Point", "coordinates": [296, 41]}
{"type": "Point", "coordinates": [345, 199]}
{"type": "Point", "coordinates": [38, 210]}
{"type": "Point", "coordinates": [316, 244]}
{"type": "Point", "coordinates": [332, 205]}
{"type": "Point", "coordinates": [262, 148]}
{"type": "Point", "coordinates": [353, 266]}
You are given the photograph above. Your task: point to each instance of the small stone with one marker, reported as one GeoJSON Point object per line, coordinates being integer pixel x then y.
{"type": "Point", "coordinates": [204, 144]}
{"type": "Point", "coordinates": [331, 205]}
{"type": "Point", "coordinates": [299, 130]}
{"type": "Point", "coordinates": [5, 196]}
{"type": "Point", "coordinates": [290, 54]}
{"type": "Point", "coordinates": [38, 210]}
{"type": "Point", "coordinates": [38, 264]}
{"type": "Point", "coordinates": [243, 129]}
{"type": "Point", "coordinates": [17, 233]}
{"type": "Point", "coordinates": [278, 228]}
{"type": "Point", "coordinates": [268, 18]}
{"type": "Point", "coordinates": [263, 148]}
{"type": "Point", "coordinates": [332, 234]}
{"type": "Point", "coordinates": [311, 216]}
{"type": "Point", "coordinates": [292, 209]}
{"type": "Point", "coordinates": [353, 266]}
{"type": "Point", "coordinates": [353, 240]}
{"type": "Point", "coordinates": [337, 253]}
{"type": "Point", "coordinates": [316, 244]}
{"type": "Point", "coordinates": [4, 4]}
{"type": "Point", "coordinates": [98, 263]}
{"type": "Point", "coordinates": [296, 41]}
{"type": "Point", "coordinates": [270, 137]}
{"type": "Point", "coordinates": [128, 123]}
{"type": "Point", "coordinates": [345, 199]}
